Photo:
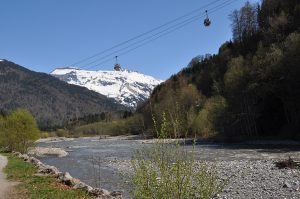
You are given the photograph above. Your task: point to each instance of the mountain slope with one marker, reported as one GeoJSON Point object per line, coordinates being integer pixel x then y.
{"type": "Point", "coordinates": [51, 101]}
{"type": "Point", "coordinates": [251, 88]}
{"type": "Point", "coordinates": [127, 87]}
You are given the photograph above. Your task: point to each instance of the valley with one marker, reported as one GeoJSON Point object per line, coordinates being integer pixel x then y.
{"type": "Point", "coordinates": [214, 115]}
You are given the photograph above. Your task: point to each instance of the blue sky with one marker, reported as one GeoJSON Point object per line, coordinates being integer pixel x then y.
{"type": "Point", "coordinates": [43, 35]}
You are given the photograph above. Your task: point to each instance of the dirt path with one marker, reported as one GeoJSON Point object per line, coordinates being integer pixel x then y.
{"type": "Point", "coordinates": [6, 187]}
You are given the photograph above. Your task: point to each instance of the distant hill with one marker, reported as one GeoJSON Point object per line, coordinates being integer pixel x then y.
{"type": "Point", "coordinates": [51, 101]}
{"type": "Point", "coordinates": [127, 87]}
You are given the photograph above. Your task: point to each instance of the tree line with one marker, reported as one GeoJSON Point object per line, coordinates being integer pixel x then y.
{"type": "Point", "coordinates": [250, 88]}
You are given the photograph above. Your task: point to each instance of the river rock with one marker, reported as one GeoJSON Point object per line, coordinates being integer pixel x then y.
{"type": "Point", "coordinates": [287, 185]}
{"type": "Point", "coordinates": [25, 157]}
{"type": "Point", "coordinates": [67, 179]}
{"type": "Point", "coordinates": [99, 192]}
{"type": "Point", "coordinates": [46, 169]}
{"type": "Point", "coordinates": [18, 154]}
{"type": "Point", "coordinates": [80, 185]}
{"type": "Point", "coordinates": [88, 188]}
{"type": "Point", "coordinates": [34, 161]}
{"type": "Point", "coordinates": [117, 194]}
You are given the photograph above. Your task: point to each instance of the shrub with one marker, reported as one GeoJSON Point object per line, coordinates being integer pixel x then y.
{"type": "Point", "coordinates": [61, 133]}
{"type": "Point", "coordinates": [18, 131]}
{"type": "Point", "coordinates": [289, 163]}
{"type": "Point", "coordinates": [164, 171]}
{"type": "Point", "coordinates": [45, 134]}
{"type": "Point", "coordinates": [209, 119]}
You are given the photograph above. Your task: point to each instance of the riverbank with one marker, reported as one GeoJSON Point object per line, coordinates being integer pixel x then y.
{"type": "Point", "coordinates": [248, 179]}
{"type": "Point", "coordinates": [30, 167]}
{"type": "Point", "coordinates": [246, 163]}
{"type": "Point", "coordinates": [35, 186]}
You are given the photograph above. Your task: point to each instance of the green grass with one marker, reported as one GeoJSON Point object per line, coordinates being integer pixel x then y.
{"type": "Point", "coordinates": [37, 187]}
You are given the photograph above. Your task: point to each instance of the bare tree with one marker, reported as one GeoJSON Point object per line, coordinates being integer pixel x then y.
{"type": "Point", "coordinates": [244, 22]}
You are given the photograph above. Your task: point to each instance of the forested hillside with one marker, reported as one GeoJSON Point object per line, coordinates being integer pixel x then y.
{"type": "Point", "coordinates": [52, 102]}
{"type": "Point", "coordinates": [250, 88]}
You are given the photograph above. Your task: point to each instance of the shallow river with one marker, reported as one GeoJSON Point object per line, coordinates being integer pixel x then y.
{"type": "Point", "coordinates": [87, 155]}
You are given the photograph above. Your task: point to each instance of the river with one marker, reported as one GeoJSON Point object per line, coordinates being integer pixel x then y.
{"type": "Point", "coordinates": [87, 155]}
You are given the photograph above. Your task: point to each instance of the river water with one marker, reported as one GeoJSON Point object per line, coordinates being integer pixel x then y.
{"type": "Point", "coordinates": [103, 158]}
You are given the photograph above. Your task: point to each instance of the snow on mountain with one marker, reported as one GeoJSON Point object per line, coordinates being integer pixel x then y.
{"type": "Point", "coordinates": [127, 87]}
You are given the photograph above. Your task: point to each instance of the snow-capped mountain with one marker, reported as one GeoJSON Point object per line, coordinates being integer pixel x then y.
{"type": "Point", "coordinates": [127, 87]}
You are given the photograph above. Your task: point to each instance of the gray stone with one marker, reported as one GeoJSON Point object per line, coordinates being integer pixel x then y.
{"type": "Point", "coordinates": [99, 192]}
{"type": "Point", "coordinates": [46, 169]}
{"type": "Point", "coordinates": [80, 185]}
{"type": "Point", "coordinates": [88, 188]}
{"type": "Point", "coordinates": [66, 178]}
{"type": "Point", "coordinates": [287, 185]}
{"type": "Point", "coordinates": [117, 194]}
{"type": "Point", "coordinates": [25, 157]}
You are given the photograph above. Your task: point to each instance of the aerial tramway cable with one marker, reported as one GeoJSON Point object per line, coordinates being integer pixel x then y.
{"type": "Point", "coordinates": [145, 33]}
{"type": "Point", "coordinates": [150, 38]}
{"type": "Point", "coordinates": [166, 33]}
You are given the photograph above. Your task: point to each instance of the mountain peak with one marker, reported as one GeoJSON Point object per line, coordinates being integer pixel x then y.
{"type": "Point", "coordinates": [127, 87]}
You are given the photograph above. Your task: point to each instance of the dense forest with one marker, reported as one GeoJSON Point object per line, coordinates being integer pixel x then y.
{"type": "Point", "coordinates": [251, 88]}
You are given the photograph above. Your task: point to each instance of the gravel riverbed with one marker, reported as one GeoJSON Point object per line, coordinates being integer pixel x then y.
{"type": "Point", "coordinates": [247, 179]}
{"type": "Point", "coordinates": [250, 167]}
{"type": "Point", "coordinates": [258, 179]}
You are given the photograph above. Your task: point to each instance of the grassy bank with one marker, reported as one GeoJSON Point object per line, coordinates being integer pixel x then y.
{"type": "Point", "coordinates": [37, 187]}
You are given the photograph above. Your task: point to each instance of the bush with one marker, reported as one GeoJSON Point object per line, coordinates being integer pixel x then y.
{"type": "Point", "coordinates": [62, 133]}
{"type": "Point", "coordinates": [44, 134]}
{"type": "Point", "coordinates": [18, 131]}
{"type": "Point", "coordinates": [209, 119]}
{"type": "Point", "coordinates": [165, 171]}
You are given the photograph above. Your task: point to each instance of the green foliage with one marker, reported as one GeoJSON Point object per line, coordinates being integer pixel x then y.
{"type": "Point", "coordinates": [62, 133]}
{"type": "Point", "coordinates": [44, 134]}
{"type": "Point", "coordinates": [128, 126]}
{"type": "Point", "coordinates": [256, 75]}
{"type": "Point", "coordinates": [18, 131]}
{"type": "Point", "coordinates": [209, 119]}
{"type": "Point", "coordinates": [37, 187]}
{"type": "Point", "coordinates": [164, 171]}
{"type": "Point", "coordinates": [176, 110]}
{"type": "Point", "coordinates": [235, 74]}
{"type": "Point", "coordinates": [2, 129]}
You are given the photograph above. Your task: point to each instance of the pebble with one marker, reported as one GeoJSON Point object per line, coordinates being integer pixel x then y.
{"type": "Point", "coordinates": [248, 179]}
{"type": "Point", "coordinates": [287, 185]}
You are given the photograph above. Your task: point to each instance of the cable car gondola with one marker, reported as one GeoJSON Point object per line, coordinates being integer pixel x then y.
{"type": "Point", "coordinates": [117, 66]}
{"type": "Point", "coordinates": [206, 20]}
